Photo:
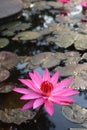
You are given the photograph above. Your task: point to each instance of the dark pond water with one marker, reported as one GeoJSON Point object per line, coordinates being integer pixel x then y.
{"type": "Point", "coordinates": [30, 48]}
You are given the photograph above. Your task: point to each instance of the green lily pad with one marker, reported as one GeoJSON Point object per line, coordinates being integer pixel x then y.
{"type": "Point", "coordinates": [3, 42]}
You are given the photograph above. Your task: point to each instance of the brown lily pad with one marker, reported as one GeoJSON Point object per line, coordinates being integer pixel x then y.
{"type": "Point", "coordinates": [46, 60]}
{"type": "Point", "coordinates": [16, 116]}
{"type": "Point", "coordinates": [64, 37]}
{"type": "Point", "coordinates": [8, 59]}
{"type": "Point", "coordinates": [80, 76]}
{"type": "Point", "coordinates": [54, 4]}
{"type": "Point", "coordinates": [32, 35]}
{"type": "Point", "coordinates": [72, 57]}
{"type": "Point", "coordinates": [75, 113]}
{"type": "Point", "coordinates": [10, 7]}
{"type": "Point", "coordinates": [6, 87]}
{"type": "Point", "coordinates": [4, 74]}
{"type": "Point", "coordinates": [84, 56]}
{"type": "Point", "coordinates": [81, 42]}
{"type": "Point", "coordinates": [66, 70]}
{"type": "Point", "coordinates": [53, 60]}
{"type": "Point", "coordinates": [10, 28]}
{"type": "Point", "coordinates": [11, 112]}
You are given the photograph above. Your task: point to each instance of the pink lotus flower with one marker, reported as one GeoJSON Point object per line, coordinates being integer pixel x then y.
{"type": "Point", "coordinates": [64, 1]}
{"type": "Point", "coordinates": [45, 91]}
{"type": "Point", "coordinates": [84, 3]}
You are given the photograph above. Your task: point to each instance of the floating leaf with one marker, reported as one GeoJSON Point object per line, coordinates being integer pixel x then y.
{"type": "Point", "coordinates": [3, 42]}
{"type": "Point", "coordinates": [56, 5]}
{"type": "Point", "coordinates": [46, 60]}
{"type": "Point", "coordinates": [41, 5]}
{"type": "Point", "coordinates": [4, 74]}
{"type": "Point", "coordinates": [8, 59]}
{"type": "Point", "coordinates": [31, 35]}
{"type": "Point", "coordinates": [75, 113]}
{"type": "Point", "coordinates": [9, 8]}
{"type": "Point", "coordinates": [53, 60]}
{"type": "Point", "coordinates": [9, 29]}
{"type": "Point", "coordinates": [6, 87]}
{"type": "Point", "coordinates": [80, 76]}
{"type": "Point", "coordinates": [81, 42]}
{"type": "Point", "coordinates": [78, 72]}
{"type": "Point", "coordinates": [84, 56]}
{"type": "Point", "coordinates": [64, 37]}
{"type": "Point", "coordinates": [27, 35]}
{"type": "Point", "coordinates": [72, 57]}
{"type": "Point", "coordinates": [11, 109]}
{"type": "Point", "coordinates": [66, 70]}
{"type": "Point", "coordinates": [16, 116]}
{"type": "Point", "coordinates": [38, 59]}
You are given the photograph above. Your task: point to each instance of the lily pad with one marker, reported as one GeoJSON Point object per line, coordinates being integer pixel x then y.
{"type": "Point", "coordinates": [72, 57]}
{"type": "Point", "coordinates": [4, 74]}
{"type": "Point", "coordinates": [46, 60]}
{"type": "Point", "coordinates": [6, 87]}
{"type": "Point", "coordinates": [78, 72]}
{"type": "Point", "coordinates": [31, 35]}
{"type": "Point", "coordinates": [9, 29]}
{"type": "Point", "coordinates": [8, 59]}
{"type": "Point", "coordinates": [11, 109]}
{"type": "Point", "coordinates": [81, 42]}
{"type": "Point", "coordinates": [41, 5]}
{"type": "Point", "coordinates": [9, 8]}
{"type": "Point", "coordinates": [53, 60]}
{"type": "Point", "coordinates": [3, 42]}
{"type": "Point", "coordinates": [54, 4]}
{"type": "Point", "coordinates": [84, 56]}
{"type": "Point", "coordinates": [80, 76]}
{"type": "Point", "coordinates": [75, 113]}
{"type": "Point", "coordinates": [66, 70]}
{"type": "Point", "coordinates": [16, 116]}
{"type": "Point", "coordinates": [27, 35]}
{"type": "Point", "coordinates": [64, 37]}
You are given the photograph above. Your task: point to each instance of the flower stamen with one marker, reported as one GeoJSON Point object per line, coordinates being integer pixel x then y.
{"type": "Point", "coordinates": [46, 87]}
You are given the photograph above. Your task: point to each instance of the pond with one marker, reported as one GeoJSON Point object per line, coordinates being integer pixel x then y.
{"type": "Point", "coordinates": [43, 34]}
